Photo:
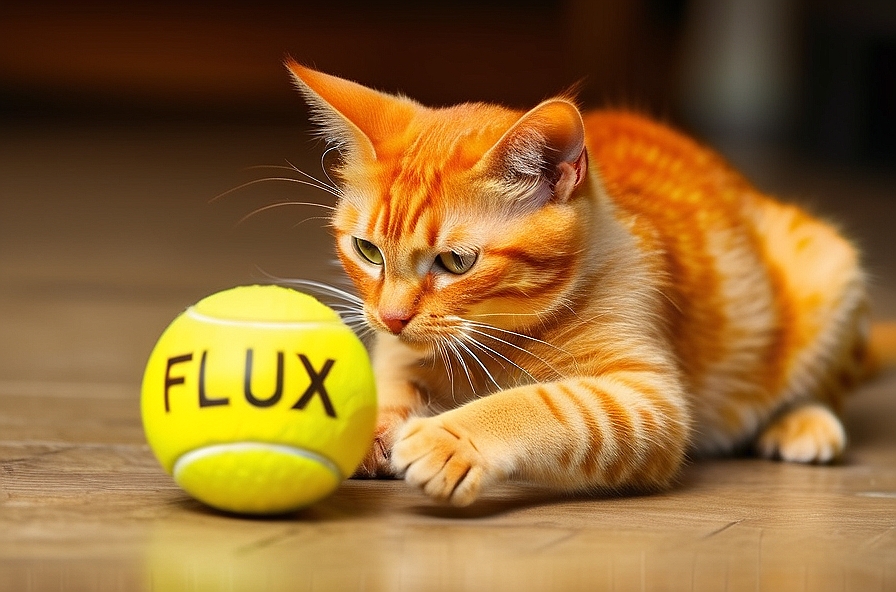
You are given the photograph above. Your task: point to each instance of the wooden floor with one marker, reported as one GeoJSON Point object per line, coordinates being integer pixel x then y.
{"type": "Point", "coordinates": [106, 233]}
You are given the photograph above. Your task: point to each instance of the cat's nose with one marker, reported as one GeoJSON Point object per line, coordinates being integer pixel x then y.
{"type": "Point", "coordinates": [396, 322]}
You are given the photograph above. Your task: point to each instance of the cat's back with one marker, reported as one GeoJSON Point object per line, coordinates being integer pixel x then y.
{"type": "Point", "coordinates": [676, 190]}
{"type": "Point", "coordinates": [673, 188]}
{"type": "Point", "coordinates": [638, 157]}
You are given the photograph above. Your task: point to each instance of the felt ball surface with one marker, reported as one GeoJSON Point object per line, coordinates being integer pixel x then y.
{"type": "Point", "coordinates": [258, 400]}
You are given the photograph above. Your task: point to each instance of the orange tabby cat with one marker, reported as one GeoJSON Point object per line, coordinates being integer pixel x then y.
{"type": "Point", "coordinates": [580, 300]}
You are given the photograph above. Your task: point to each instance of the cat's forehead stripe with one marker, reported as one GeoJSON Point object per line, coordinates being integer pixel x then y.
{"type": "Point", "coordinates": [423, 203]}
{"type": "Point", "coordinates": [405, 199]}
{"type": "Point", "coordinates": [417, 199]}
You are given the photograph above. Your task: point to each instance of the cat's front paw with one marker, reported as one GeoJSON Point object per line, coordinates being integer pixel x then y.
{"type": "Point", "coordinates": [442, 460]}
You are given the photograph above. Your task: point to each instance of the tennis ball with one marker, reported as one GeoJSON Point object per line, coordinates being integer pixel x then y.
{"type": "Point", "coordinates": [258, 400]}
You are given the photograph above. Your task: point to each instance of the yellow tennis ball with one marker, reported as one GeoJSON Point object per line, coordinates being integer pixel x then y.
{"type": "Point", "coordinates": [259, 400]}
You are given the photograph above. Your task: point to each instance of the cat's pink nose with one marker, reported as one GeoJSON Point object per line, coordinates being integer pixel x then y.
{"type": "Point", "coordinates": [396, 322]}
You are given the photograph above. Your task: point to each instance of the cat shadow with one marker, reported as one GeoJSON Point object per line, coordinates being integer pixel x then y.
{"type": "Point", "coordinates": [509, 500]}
{"type": "Point", "coordinates": [521, 497]}
{"type": "Point", "coordinates": [479, 510]}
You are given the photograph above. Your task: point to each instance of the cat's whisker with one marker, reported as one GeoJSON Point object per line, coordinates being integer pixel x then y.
{"type": "Point", "coordinates": [458, 354]}
{"type": "Point", "coordinates": [330, 185]}
{"type": "Point", "coordinates": [515, 334]}
{"type": "Point", "coordinates": [493, 352]}
{"type": "Point", "coordinates": [471, 341]}
{"type": "Point", "coordinates": [504, 314]}
{"type": "Point", "coordinates": [326, 188]}
{"type": "Point", "coordinates": [482, 327]}
{"type": "Point", "coordinates": [285, 203]}
{"type": "Point", "coordinates": [300, 222]}
{"type": "Point", "coordinates": [355, 319]}
{"type": "Point", "coordinates": [349, 314]}
{"type": "Point", "coordinates": [352, 319]}
{"type": "Point", "coordinates": [485, 370]}
{"type": "Point", "coordinates": [446, 360]}
{"type": "Point", "coordinates": [347, 306]}
{"type": "Point", "coordinates": [518, 348]}
{"type": "Point", "coordinates": [320, 183]}
{"type": "Point", "coordinates": [322, 288]}
{"type": "Point", "coordinates": [362, 330]}
{"type": "Point", "coordinates": [292, 167]}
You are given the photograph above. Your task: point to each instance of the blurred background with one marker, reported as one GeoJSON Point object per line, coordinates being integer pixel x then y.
{"type": "Point", "coordinates": [819, 74]}
{"type": "Point", "coordinates": [120, 122]}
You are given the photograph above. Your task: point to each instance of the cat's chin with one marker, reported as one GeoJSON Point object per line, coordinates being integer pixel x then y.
{"type": "Point", "coordinates": [424, 344]}
{"type": "Point", "coordinates": [417, 342]}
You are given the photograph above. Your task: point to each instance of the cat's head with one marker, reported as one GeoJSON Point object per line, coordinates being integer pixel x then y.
{"type": "Point", "coordinates": [456, 216]}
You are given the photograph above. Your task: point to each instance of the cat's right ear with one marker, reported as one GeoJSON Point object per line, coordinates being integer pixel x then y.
{"type": "Point", "coordinates": [352, 116]}
{"type": "Point", "coordinates": [542, 157]}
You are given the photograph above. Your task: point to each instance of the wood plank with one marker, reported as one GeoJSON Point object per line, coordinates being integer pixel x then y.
{"type": "Point", "coordinates": [99, 513]}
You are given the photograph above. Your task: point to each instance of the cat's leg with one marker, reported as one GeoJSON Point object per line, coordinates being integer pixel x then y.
{"type": "Point", "coordinates": [809, 432]}
{"type": "Point", "coordinates": [626, 431]}
{"type": "Point", "coordinates": [397, 399]}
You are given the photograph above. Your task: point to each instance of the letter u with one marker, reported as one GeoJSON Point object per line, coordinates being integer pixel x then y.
{"type": "Point", "coordinates": [247, 382]}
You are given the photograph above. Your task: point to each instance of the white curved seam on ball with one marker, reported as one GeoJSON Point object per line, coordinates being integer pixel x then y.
{"type": "Point", "coordinates": [200, 453]}
{"type": "Point", "coordinates": [194, 314]}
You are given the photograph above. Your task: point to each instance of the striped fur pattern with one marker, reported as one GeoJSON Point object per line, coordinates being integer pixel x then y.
{"type": "Point", "coordinates": [580, 300]}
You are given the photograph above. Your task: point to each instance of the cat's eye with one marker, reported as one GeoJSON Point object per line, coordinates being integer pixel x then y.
{"type": "Point", "coordinates": [369, 251]}
{"type": "Point", "coordinates": [457, 263]}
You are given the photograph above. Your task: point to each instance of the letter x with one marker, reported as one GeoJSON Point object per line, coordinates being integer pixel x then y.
{"type": "Point", "coordinates": [316, 386]}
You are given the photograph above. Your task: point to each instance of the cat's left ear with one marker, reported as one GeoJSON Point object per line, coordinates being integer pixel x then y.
{"type": "Point", "coordinates": [542, 158]}
{"type": "Point", "coordinates": [355, 117]}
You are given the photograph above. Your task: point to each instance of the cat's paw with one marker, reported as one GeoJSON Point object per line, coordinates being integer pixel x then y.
{"type": "Point", "coordinates": [377, 464]}
{"type": "Point", "coordinates": [809, 433]}
{"type": "Point", "coordinates": [442, 460]}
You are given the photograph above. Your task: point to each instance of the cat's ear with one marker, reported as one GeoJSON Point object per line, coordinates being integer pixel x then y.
{"type": "Point", "coordinates": [353, 116]}
{"type": "Point", "coordinates": [542, 157]}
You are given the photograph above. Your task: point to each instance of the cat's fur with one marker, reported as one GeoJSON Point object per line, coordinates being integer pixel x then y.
{"type": "Point", "coordinates": [631, 300]}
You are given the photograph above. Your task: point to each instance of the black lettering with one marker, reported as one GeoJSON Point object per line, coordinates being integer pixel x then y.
{"type": "Point", "coordinates": [247, 383]}
{"type": "Point", "coordinates": [171, 381]}
{"type": "Point", "coordinates": [316, 386]}
{"type": "Point", "coordinates": [205, 400]}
